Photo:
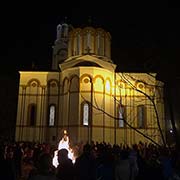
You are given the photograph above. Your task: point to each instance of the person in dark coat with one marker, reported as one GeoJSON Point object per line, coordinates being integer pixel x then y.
{"type": "Point", "coordinates": [45, 169]}
{"type": "Point", "coordinates": [65, 169]}
{"type": "Point", "coordinates": [85, 168]}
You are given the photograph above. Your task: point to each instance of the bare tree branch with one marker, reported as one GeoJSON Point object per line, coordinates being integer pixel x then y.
{"type": "Point", "coordinates": [152, 101]}
{"type": "Point", "coordinates": [115, 118]}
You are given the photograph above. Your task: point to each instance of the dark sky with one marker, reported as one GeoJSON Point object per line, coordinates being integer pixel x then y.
{"type": "Point", "coordinates": [145, 36]}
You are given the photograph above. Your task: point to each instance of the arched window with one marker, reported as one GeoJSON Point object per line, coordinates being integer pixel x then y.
{"type": "Point", "coordinates": [59, 27]}
{"type": "Point", "coordinates": [32, 114]}
{"type": "Point", "coordinates": [141, 116]}
{"type": "Point", "coordinates": [64, 31]}
{"type": "Point", "coordinates": [100, 44]}
{"type": "Point", "coordinates": [121, 115]}
{"type": "Point", "coordinates": [85, 114]}
{"type": "Point", "coordinates": [78, 44]}
{"type": "Point", "coordinates": [88, 40]}
{"type": "Point", "coordinates": [52, 113]}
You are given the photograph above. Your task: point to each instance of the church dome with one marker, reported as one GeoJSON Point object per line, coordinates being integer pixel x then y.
{"type": "Point", "coordinates": [89, 40]}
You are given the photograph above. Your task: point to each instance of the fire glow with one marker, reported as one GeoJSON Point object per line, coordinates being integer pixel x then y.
{"type": "Point", "coordinates": [63, 144]}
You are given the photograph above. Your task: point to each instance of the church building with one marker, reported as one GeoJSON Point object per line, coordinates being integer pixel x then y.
{"type": "Point", "coordinates": [83, 94]}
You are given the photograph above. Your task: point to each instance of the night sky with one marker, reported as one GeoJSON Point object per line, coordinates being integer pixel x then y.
{"type": "Point", "coordinates": [145, 37]}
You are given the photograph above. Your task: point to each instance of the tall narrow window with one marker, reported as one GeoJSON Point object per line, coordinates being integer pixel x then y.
{"type": "Point", "coordinates": [98, 44]}
{"type": "Point", "coordinates": [52, 111]}
{"type": "Point", "coordinates": [121, 115]}
{"type": "Point", "coordinates": [32, 114]}
{"type": "Point", "coordinates": [64, 31]}
{"type": "Point", "coordinates": [101, 45]}
{"type": "Point", "coordinates": [141, 116]}
{"type": "Point", "coordinates": [59, 27]}
{"type": "Point", "coordinates": [85, 114]}
{"type": "Point", "coordinates": [88, 40]}
{"type": "Point", "coordinates": [78, 44]}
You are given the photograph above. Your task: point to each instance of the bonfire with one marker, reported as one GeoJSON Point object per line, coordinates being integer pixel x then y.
{"type": "Point", "coordinates": [63, 144]}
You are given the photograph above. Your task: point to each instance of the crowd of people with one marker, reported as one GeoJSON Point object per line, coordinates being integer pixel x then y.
{"type": "Point", "coordinates": [94, 161]}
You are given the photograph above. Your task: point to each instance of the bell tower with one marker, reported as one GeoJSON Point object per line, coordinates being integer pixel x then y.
{"type": "Point", "coordinates": [60, 48]}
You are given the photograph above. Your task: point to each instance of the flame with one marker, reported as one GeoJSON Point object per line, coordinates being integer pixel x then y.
{"type": "Point", "coordinates": [65, 132]}
{"type": "Point", "coordinates": [63, 144]}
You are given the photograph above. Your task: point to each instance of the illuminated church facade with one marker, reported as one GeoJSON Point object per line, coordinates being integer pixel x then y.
{"type": "Point", "coordinates": [84, 94]}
